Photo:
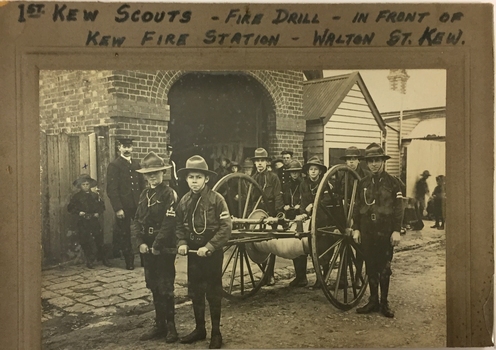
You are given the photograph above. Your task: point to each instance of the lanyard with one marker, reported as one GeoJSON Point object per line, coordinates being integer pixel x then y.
{"type": "Point", "coordinates": [193, 219]}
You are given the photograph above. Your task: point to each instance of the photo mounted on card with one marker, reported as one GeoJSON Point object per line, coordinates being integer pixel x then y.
{"type": "Point", "coordinates": [247, 176]}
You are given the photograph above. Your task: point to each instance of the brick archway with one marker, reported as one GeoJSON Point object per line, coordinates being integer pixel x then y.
{"type": "Point", "coordinates": [165, 79]}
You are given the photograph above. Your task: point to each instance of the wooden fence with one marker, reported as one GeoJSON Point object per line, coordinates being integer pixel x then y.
{"type": "Point", "coordinates": [63, 158]}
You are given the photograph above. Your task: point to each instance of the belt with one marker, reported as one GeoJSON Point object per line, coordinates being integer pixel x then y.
{"type": "Point", "coordinates": [151, 230]}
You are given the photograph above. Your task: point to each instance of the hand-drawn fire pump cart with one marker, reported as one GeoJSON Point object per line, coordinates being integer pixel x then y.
{"type": "Point", "coordinates": [258, 238]}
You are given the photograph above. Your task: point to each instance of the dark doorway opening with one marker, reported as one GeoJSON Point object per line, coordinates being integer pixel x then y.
{"type": "Point", "coordinates": [218, 114]}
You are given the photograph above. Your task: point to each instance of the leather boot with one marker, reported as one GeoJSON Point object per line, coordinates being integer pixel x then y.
{"type": "Point", "coordinates": [215, 341]}
{"type": "Point", "coordinates": [129, 258]}
{"type": "Point", "coordinates": [384, 283]}
{"type": "Point", "coordinates": [300, 266]}
{"type": "Point", "coordinates": [373, 304]}
{"type": "Point", "coordinates": [199, 333]}
{"type": "Point", "coordinates": [172, 336]}
{"type": "Point", "coordinates": [159, 330]}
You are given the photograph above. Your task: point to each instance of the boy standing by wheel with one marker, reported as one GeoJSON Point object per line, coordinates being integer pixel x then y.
{"type": "Point", "coordinates": [203, 224]}
{"type": "Point", "coordinates": [376, 226]}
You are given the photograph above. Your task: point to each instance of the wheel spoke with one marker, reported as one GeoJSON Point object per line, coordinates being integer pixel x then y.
{"type": "Point", "coordinates": [352, 273]}
{"type": "Point", "coordinates": [334, 258]}
{"type": "Point", "coordinates": [349, 215]}
{"type": "Point", "coordinates": [242, 270]}
{"type": "Point", "coordinates": [329, 249]}
{"type": "Point", "coordinates": [248, 266]}
{"type": "Point", "coordinates": [331, 217]}
{"type": "Point", "coordinates": [340, 272]}
{"type": "Point", "coordinates": [345, 204]}
{"type": "Point", "coordinates": [233, 272]}
{"type": "Point", "coordinates": [247, 201]}
{"type": "Point", "coordinates": [239, 196]}
{"type": "Point", "coordinates": [229, 260]}
{"type": "Point", "coordinates": [329, 230]}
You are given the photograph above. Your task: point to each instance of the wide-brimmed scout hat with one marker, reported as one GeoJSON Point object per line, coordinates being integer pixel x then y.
{"type": "Point", "coordinates": [196, 164]}
{"type": "Point", "coordinates": [151, 163]}
{"type": "Point", "coordinates": [351, 152]}
{"type": "Point", "coordinates": [84, 178]}
{"type": "Point", "coordinates": [260, 153]}
{"type": "Point", "coordinates": [315, 160]}
{"type": "Point", "coordinates": [374, 151]}
{"type": "Point", "coordinates": [294, 165]}
{"type": "Point", "coordinates": [426, 173]}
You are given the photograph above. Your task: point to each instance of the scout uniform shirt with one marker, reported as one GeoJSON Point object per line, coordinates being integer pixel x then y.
{"type": "Point", "coordinates": [378, 205]}
{"type": "Point", "coordinates": [155, 220]}
{"type": "Point", "coordinates": [203, 219]}
{"type": "Point", "coordinates": [271, 186]}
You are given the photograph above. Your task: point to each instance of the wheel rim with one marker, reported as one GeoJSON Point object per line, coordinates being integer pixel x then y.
{"type": "Point", "coordinates": [243, 270]}
{"type": "Point", "coordinates": [338, 260]}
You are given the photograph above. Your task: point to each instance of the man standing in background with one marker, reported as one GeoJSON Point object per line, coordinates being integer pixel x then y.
{"type": "Point", "coordinates": [284, 176]}
{"type": "Point", "coordinates": [124, 186]}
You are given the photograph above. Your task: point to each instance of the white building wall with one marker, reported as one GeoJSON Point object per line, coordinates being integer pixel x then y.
{"type": "Point", "coordinates": [352, 124]}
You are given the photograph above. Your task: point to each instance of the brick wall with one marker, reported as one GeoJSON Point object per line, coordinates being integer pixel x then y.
{"type": "Point", "coordinates": [134, 103]}
{"type": "Point", "coordinates": [75, 101]}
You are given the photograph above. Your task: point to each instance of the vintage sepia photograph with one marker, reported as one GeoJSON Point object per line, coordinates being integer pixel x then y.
{"type": "Point", "coordinates": [243, 209]}
{"type": "Point", "coordinates": [246, 176]}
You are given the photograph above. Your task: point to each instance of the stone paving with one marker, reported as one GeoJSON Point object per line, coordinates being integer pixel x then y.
{"type": "Point", "coordinates": [104, 291]}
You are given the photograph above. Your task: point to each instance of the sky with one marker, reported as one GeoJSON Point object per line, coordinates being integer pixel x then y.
{"type": "Point", "coordinates": [424, 89]}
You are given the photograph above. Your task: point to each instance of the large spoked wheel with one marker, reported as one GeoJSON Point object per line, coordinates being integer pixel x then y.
{"type": "Point", "coordinates": [338, 260]}
{"type": "Point", "coordinates": [244, 268]}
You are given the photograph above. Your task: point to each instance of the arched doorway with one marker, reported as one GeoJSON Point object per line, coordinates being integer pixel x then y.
{"type": "Point", "coordinates": [218, 114]}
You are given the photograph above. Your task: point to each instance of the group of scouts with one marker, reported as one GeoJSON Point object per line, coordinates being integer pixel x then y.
{"type": "Point", "coordinates": [199, 225]}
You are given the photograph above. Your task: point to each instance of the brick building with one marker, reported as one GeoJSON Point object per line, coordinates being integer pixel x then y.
{"type": "Point", "coordinates": [209, 113]}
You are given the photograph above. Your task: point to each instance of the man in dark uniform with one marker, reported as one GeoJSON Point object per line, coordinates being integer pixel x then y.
{"type": "Point", "coordinates": [287, 157]}
{"type": "Point", "coordinates": [173, 183]}
{"type": "Point", "coordinates": [124, 186]}
{"type": "Point", "coordinates": [203, 224]}
{"type": "Point", "coordinates": [376, 225]}
{"type": "Point", "coordinates": [271, 186]}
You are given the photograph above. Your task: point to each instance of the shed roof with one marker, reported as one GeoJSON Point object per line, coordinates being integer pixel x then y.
{"type": "Point", "coordinates": [322, 97]}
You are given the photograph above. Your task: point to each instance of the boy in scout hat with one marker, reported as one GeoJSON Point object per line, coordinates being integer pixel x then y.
{"type": "Point", "coordinates": [203, 224]}
{"type": "Point", "coordinates": [352, 158]}
{"type": "Point", "coordinates": [377, 220]}
{"type": "Point", "coordinates": [154, 227]}
{"type": "Point", "coordinates": [88, 206]}
{"type": "Point", "coordinates": [271, 186]}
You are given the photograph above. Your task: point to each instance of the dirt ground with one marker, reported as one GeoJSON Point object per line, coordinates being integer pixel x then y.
{"type": "Point", "coordinates": [281, 317]}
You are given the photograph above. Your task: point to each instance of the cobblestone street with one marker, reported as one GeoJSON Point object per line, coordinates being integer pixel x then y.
{"type": "Point", "coordinates": [104, 291]}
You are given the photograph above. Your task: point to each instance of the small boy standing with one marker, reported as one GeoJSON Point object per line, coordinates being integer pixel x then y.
{"type": "Point", "coordinates": [203, 224]}
{"type": "Point", "coordinates": [88, 206]}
